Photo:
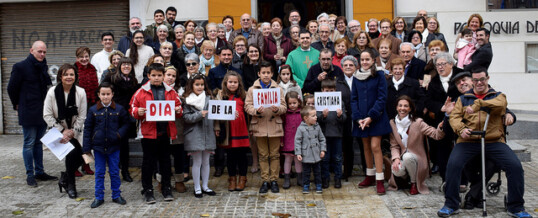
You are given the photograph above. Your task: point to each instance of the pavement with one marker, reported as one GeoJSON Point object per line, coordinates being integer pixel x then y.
{"type": "Point", "coordinates": [349, 201]}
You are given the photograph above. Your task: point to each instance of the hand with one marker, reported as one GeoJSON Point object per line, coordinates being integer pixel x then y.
{"type": "Point", "coordinates": [236, 114]}
{"type": "Point", "coordinates": [440, 126]}
{"type": "Point", "coordinates": [466, 133]}
{"type": "Point", "coordinates": [274, 108]}
{"type": "Point", "coordinates": [469, 110]}
{"type": "Point", "coordinates": [283, 58]}
{"type": "Point", "coordinates": [67, 135]}
{"type": "Point", "coordinates": [508, 119]}
{"type": "Point", "coordinates": [217, 133]}
{"type": "Point", "coordinates": [277, 57]}
{"type": "Point", "coordinates": [322, 75]}
{"type": "Point", "coordinates": [141, 111]}
{"type": "Point", "coordinates": [338, 112]}
{"type": "Point", "coordinates": [178, 109]}
{"type": "Point", "coordinates": [299, 157]}
{"type": "Point", "coordinates": [322, 154]}
{"type": "Point", "coordinates": [425, 111]}
{"type": "Point", "coordinates": [325, 112]}
{"type": "Point", "coordinates": [365, 122]}
{"type": "Point", "coordinates": [448, 106]}
{"type": "Point", "coordinates": [260, 109]}
{"type": "Point", "coordinates": [396, 165]}
{"type": "Point", "coordinates": [204, 113]}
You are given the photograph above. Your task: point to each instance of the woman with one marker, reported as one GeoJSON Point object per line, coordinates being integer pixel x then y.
{"type": "Point", "coordinates": [199, 35]}
{"type": "Point", "coordinates": [228, 22]}
{"type": "Point", "coordinates": [162, 35]}
{"type": "Point", "coordinates": [399, 28]}
{"type": "Point", "coordinates": [221, 32]}
{"type": "Point", "coordinates": [409, 159]}
{"type": "Point", "coordinates": [240, 50]}
{"type": "Point", "coordinates": [430, 70]}
{"type": "Point", "coordinates": [265, 29]}
{"type": "Point", "coordinates": [369, 116]}
{"type": "Point", "coordinates": [250, 65]}
{"type": "Point", "coordinates": [139, 54]}
{"type": "Point", "coordinates": [65, 109]}
{"type": "Point", "coordinates": [190, 25]}
{"type": "Point", "coordinates": [114, 59]}
{"type": "Point", "coordinates": [276, 45]}
{"type": "Point", "coordinates": [399, 85]}
{"type": "Point", "coordinates": [187, 47]}
{"type": "Point", "coordinates": [433, 29]}
{"type": "Point", "coordinates": [87, 74]}
{"type": "Point", "coordinates": [385, 54]}
{"type": "Point", "coordinates": [349, 67]}
{"type": "Point", "coordinates": [419, 24]}
{"type": "Point", "coordinates": [332, 24]}
{"type": "Point", "coordinates": [192, 62]}
{"type": "Point", "coordinates": [208, 59]}
{"type": "Point", "coordinates": [361, 42]}
{"type": "Point", "coordinates": [312, 27]}
{"type": "Point", "coordinates": [474, 22]}
{"type": "Point", "coordinates": [294, 35]}
{"type": "Point", "coordinates": [341, 24]}
{"type": "Point", "coordinates": [415, 38]}
{"type": "Point", "coordinates": [340, 49]}
{"type": "Point", "coordinates": [166, 50]}
{"type": "Point", "coordinates": [179, 30]}
{"type": "Point", "coordinates": [212, 36]}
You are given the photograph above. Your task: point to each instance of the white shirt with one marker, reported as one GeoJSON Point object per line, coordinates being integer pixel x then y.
{"type": "Point", "coordinates": [228, 35]}
{"type": "Point", "coordinates": [144, 53]}
{"type": "Point", "coordinates": [349, 80]}
{"type": "Point", "coordinates": [445, 80]}
{"type": "Point", "coordinates": [100, 61]}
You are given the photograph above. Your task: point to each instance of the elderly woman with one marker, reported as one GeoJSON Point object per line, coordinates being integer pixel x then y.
{"type": "Point", "coordinates": [208, 59]}
{"type": "Point", "coordinates": [87, 74]}
{"type": "Point", "coordinates": [362, 42]}
{"type": "Point", "coordinates": [415, 38]}
{"type": "Point", "coordinates": [341, 28]}
{"type": "Point", "coordinates": [266, 29]}
{"type": "Point", "coordinates": [114, 59]}
{"type": "Point", "coordinates": [211, 29]}
{"type": "Point", "coordinates": [188, 47]}
{"type": "Point", "coordinates": [385, 54]}
{"type": "Point", "coordinates": [340, 49]}
{"type": "Point", "coordinates": [199, 35]}
{"type": "Point", "coordinates": [433, 29]}
{"type": "Point", "coordinates": [139, 54]}
{"type": "Point", "coordinates": [430, 70]}
{"type": "Point", "coordinates": [349, 67]}
{"type": "Point", "coordinates": [399, 28]}
{"type": "Point", "coordinates": [294, 35]}
{"type": "Point", "coordinates": [192, 62]}
{"type": "Point", "coordinates": [179, 30]}
{"type": "Point", "coordinates": [221, 32]}
{"type": "Point", "coordinates": [162, 35]}
{"type": "Point", "coordinates": [276, 45]}
{"type": "Point", "coordinates": [228, 22]}
{"type": "Point", "coordinates": [65, 109]}
{"type": "Point", "coordinates": [240, 50]}
{"type": "Point", "coordinates": [419, 24]}
{"type": "Point", "coordinates": [399, 85]}
{"type": "Point", "coordinates": [190, 25]}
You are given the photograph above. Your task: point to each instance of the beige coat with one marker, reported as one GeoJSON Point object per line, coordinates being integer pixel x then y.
{"type": "Point", "coordinates": [50, 112]}
{"type": "Point", "coordinates": [415, 144]}
{"type": "Point", "coordinates": [268, 123]}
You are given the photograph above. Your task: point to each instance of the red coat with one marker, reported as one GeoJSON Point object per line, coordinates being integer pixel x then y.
{"type": "Point", "coordinates": [236, 130]}
{"type": "Point", "coordinates": [149, 128]}
{"type": "Point", "coordinates": [87, 77]}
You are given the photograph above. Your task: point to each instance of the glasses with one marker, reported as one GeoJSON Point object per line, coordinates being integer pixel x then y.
{"type": "Point", "coordinates": [441, 64]}
{"type": "Point", "coordinates": [475, 80]}
{"type": "Point", "coordinates": [192, 64]}
{"type": "Point", "coordinates": [415, 37]}
{"type": "Point", "coordinates": [239, 45]}
{"type": "Point", "coordinates": [385, 27]}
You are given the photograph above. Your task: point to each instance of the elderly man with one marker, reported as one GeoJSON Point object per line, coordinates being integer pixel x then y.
{"type": "Point", "coordinates": [294, 18]}
{"type": "Point", "coordinates": [422, 13]}
{"type": "Point", "coordinates": [151, 30]}
{"type": "Point", "coordinates": [27, 89]}
{"type": "Point", "coordinates": [125, 41]}
{"type": "Point", "coordinates": [302, 58]}
{"type": "Point", "coordinates": [254, 36]}
{"type": "Point", "coordinates": [323, 70]}
{"type": "Point", "coordinates": [100, 59]}
{"type": "Point", "coordinates": [373, 31]}
{"type": "Point", "coordinates": [354, 27]}
{"type": "Point", "coordinates": [324, 31]}
{"type": "Point", "coordinates": [483, 54]}
{"type": "Point", "coordinates": [385, 26]}
{"type": "Point", "coordinates": [414, 67]}
{"type": "Point", "coordinates": [467, 116]}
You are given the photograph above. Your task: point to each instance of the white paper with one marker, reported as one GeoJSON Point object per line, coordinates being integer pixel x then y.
{"type": "Point", "coordinates": [52, 141]}
{"type": "Point", "coordinates": [266, 97]}
{"type": "Point", "coordinates": [160, 111]}
{"type": "Point", "coordinates": [327, 100]}
{"type": "Point", "coordinates": [221, 110]}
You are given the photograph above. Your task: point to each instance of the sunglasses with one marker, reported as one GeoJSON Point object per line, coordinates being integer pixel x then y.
{"type": "Point", "coordinates": [191, 64]}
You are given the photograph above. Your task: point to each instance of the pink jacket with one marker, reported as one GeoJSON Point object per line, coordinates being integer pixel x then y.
{"type": "Point", "coordinates": [292, 120]}
{"type": "Point", "coordinates": [464, 55]}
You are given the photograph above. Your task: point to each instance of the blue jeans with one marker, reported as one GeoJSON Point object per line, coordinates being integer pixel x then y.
{"type": "Point", "coordinates": [32, 151]}
{"type": "Point", "coordinates": [498, 152]}
{"type": "Point", "coordinates": [101, 161]}
{"type": "Point", "coordinates": [333, 158]}
{"type": "Point", "coordinates": [307, 168]}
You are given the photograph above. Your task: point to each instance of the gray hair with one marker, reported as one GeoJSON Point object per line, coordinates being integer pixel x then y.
{"type": "Point", "coordinates": [295, 25]}
{"type": "Point", "coordinates": [324, 24]}
{"type": "Point", "coordinates": [192, 57]}
{"type": "Point", "coordinates": [211, 25]}
{"type": "Point", "coordinates": [135, 18]}
{"type": "Point", "coordinates": [325, 15]}
{"type": "Point", "coordinates": [199, 28]}
{"type": "Point", "coordinates": [179, 26]}
{"type": "Point", "coordinates": [162, 26]}
{"type": "Point", "coordinates": [444, 55]}
{"type": "Point", "coordinates": [167, 43]}
{"type": "Point", "coordinates": [265, 24]}
{"type": "Point", "coordinates": [221, 26]}
{"type": "Point", "coordinates": [407, 43]}
{"type": "Point", "coordinates": [349, 58]}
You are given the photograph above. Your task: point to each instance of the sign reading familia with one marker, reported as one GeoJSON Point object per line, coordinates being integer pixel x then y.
{"type": "Point", "coordinates": [160, 111]}
{"type": "Point", "coordinates": [221, 110]}
{"type": "Point", "coordinates": [266, 97]}
{"type": "Point", "coordinates": [327, 100]}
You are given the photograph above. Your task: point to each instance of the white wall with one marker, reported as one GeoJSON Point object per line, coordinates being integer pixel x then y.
{"type": "Point", "coordinates": [410, 7]}
{"type": "Point", "coordinates": [186, 9]}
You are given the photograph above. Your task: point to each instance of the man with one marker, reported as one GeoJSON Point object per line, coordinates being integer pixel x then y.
{"type": "Point", "coordinates": [422, 13]}
{"type": "Point", "coordinates": [171, 13]}
{"type": "Point", "coordinates": [294, 18]}
{"type": "Point", "coordinates": [100, 59]}
{"type": "Point", "coordinates": [385, 26]}
{"type": "Point", "coordinates": [125, 41]}
{"type": "Point", "coordinates": [27, 89]}
{"type": "Point", "coordinates": [373, 31]}
{"type": "Point", "coordinates": [151, 30]}
{"type": "Point", "coordinates": [302, 58]}
{"type": "Point", "coordinates": [414, 67]}
{"type": "Point", "coordinates": [254, 36]}
{"type": "Point", "coordinates": [323, 70]}
{"type": "Point", "coordinates": [483, 54]}
{"type": "Point", "coordinates": [467, 116]}
{"type": "Point", "coordinates": [354, 27]}
{"type": "Point", "coordinates": [217, 73]}
{"type": "Point", "coordinates": [324, 31]}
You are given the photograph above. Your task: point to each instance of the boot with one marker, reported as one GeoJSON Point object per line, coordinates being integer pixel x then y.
{"type": "Point", "coordinates": [62, 183]}
{"type": "Point", "coordinates": [218, 172]}
{"type": "Point", "coordinates": [78, 173]}
{"type": "Point", "coordinates": [337, 183]}
{"type": "Point", "coordinates": [380, 187]}
{"type": "Point", "coordinates": [242, 183]}
{"type": "Point", "coordinates": [71, 191]}
{"type": "Point", "coordinates": [286, 184]}
{"type": "Point", "coordinates": [325, 182]}
{"type": "Point", "coordinates": [86, 168]}
{"type": "Point", "coordinates": [232, 183]}
{"type": "Point", "coordinates": [180, 187]}
{"type": "Point", "coordinates": [368, 181]}
{"type": "Point", "coordinates": [413, 190]}
{"type": "Point", "coordinates": [126, 176]}
{"type": "Point", "coordinates": [300, 179]}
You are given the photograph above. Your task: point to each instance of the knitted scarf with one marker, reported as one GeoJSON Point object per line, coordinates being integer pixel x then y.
{"type": "Point", "coordinates": [403, 126]}
{"type": "Point", "coordinates": [278, 40]}
{"type": "Point", "coordinates": [397, 83]}
{"type": "Point", "coordinates": [205, 62]}
{"type": "Point", "coordinates": [188, 51]}
{"type": "Point", "coordinates": [197, 101]}
{"type": "Point", "coordinates": [362, 74]}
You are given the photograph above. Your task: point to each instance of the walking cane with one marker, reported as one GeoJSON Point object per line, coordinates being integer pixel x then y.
{"type": "Point", "coordinates": [482, 135]}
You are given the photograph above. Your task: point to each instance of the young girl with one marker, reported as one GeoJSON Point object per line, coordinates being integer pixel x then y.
{"type": "Point", "coordinates": [199, 133]}
{"type": "Point", "coordinates": [465, 48]}
{"type": "Point", "coordinates": [308, 100]}
{"type": "Point", "coordinates": [286, 82]}
{"type": "Point", "coordinates": [292, 120]}
{"type": "Point", "coordinates": [236, 132]}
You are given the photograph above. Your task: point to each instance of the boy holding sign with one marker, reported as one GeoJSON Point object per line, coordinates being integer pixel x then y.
{"type": "Point", "coordinates": [156, 134]}
{"type": "Point", "coordinates": [266, 126]}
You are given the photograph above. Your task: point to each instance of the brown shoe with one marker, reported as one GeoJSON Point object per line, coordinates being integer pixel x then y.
{"type": "Point", "coordinates": [232, 183]}
{"type": "Point", "coordinates": [242, 183]}
{"type": "Point", "coordinates": [180, 187]}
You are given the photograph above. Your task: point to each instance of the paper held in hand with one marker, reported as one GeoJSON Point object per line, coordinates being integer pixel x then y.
{"type": "Point", "coordinates": [327, 100]}
{"type": "Point", "coordinates": [160, 111]}
{"type": "Point", "coordinates": [52, 141]}
{"type": "Point", "coordinates": [221, 110]}
{"type": "Point", "coordinates": [266, 97]}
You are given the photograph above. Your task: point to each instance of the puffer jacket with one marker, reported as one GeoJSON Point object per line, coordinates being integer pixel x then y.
{"type": "Point", "coordinates": [310, 142]}
{"type": "Point", "coordinates": [460, 120]}
{"type": "Point", "coordinates": [199, 133]}
{"type": "Point", "coordinates": [104, 127]}
{"type": "Point", "coordinates": [268, 123]}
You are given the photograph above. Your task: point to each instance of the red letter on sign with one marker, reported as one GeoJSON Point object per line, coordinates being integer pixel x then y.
{"type": "Point", "coordinates": [152, 109]}
{"type": "Point", "coordinates": [167, 110]}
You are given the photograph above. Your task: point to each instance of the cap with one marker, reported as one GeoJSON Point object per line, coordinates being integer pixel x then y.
{"type": "Point", "coordinates": [460, 75]}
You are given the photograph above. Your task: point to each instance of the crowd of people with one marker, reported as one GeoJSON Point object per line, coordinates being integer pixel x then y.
{"type": "Point", "coordinates": [401, 90]}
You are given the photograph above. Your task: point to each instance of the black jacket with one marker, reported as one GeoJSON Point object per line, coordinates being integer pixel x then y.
{"type": "Point", "coordinates": [480, 58]}
{"type": "Point", "coordinates": [436, 95]}
{"type": "Point", "coordinates": [343, 87]}
{"type": "Point", "coordinates": [250, 75]}
{"type": "Point", "coordinates": [409, 87]}
{"type": "Point", "coordinates": [319, 46]}
{"type": "Point", "coordinates": [416, 69]}
{"type": "Point", "coordinates": [311, 82]}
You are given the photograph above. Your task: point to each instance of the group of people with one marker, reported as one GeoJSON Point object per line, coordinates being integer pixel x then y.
{"type": "Point", "coordinates": [399, 86]}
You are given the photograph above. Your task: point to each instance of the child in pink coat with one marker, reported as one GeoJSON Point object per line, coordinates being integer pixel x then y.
{"type": "Point", "coordinates": [465, 48]}
{"type": "Point", "coordinates": [292, 120]}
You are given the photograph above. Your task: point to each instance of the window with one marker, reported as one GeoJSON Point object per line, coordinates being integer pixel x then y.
{"type": "Point", "coordinates": [512, 4]}
{"type": "Point", "coordinates": [532, 57]}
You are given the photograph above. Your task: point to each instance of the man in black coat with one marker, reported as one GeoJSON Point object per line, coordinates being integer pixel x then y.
{"type": "Point", "coordinates": [322, 70]}
{"type": "Point", "coordinates": [27, 90]}
{"type": "Point", "coordinates": [414, 67]}
{"type": "Point", "coordinates": [483, 55]}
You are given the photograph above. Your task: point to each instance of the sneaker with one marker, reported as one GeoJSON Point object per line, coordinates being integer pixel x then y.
{"type": "Point", "coordinates": [167, 194]}
{"type": "Point", "coordinates": [519, 214]}
{"type": "Point", "coordinates": [119, 200]}
{"type": "Point", "coordinates": [319, 189]}
{"type": "Point", "coordinates": [96, 203]}
{"type": "Point", "coordinates": [30, 180]}
{"type": "Point", "coordinates": [148, 196]}
{"type": "Point", "coordinates": [45, 177]}
{"type": "Point", "coordinates": [446, 212]}
{"type": "Point", "coordinates": [306, 189]}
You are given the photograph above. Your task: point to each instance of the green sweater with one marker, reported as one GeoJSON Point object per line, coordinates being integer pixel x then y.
{"type": "Point", "coordinates": [300, 61]}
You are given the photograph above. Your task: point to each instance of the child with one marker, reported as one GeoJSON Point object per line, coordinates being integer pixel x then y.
{"type": "Point", "coordinates": [286, 82]}
{"type": "Point", "coordinates": [465, 48]}
{"type": "Point", "coordinates": [155, 135]}
{"type": "Point", "coordinates": [332, 125]}
{"type": "Point", "coordinates": [310, 147]}
{"type": "Point", "coordinates": [199, 133]}
{"type": "Point", "coordinates": [292, 120]}
{"type": "Point", "coordinates": [309, 100]}
{"type": "Point", "coordinates": [235, 138]}
{"type": "Point", "coordinates": [266, 126]}
{"type": "Point", "coordinates": [113, 119]}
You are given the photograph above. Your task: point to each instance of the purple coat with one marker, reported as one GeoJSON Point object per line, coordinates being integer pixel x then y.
{"type": "Point", "coordinates": [292, 120]}
{"type": "Point", "coordinates": [270, 47]}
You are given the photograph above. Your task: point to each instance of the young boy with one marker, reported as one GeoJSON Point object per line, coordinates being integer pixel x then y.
{"type": "Point", "coordinates": [310, 147]}
{"type": "Point", "coordinates": [105, 125]}
{"type": "Point", "coordinates": [332, 126]}
{"type": "Point", "coordinates": [155, 135]}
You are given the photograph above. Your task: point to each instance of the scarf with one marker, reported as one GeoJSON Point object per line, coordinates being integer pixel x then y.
{"type": "Point", "coordinates": [403, 126]}
{"type": "Point", "coordinates": [204, 62]}
{"type": "Point", "coordinates": [188, 51]}
{"type": "Point", "coordinates": [197, 101]}
{"type": "Point", "coordinates": [278, 40]}
{"type": "Point", "coordinates": [397, 83]}
{"type": "Point", "coordinates": [362, 74]}
{"type": "Point", "coordinates": [66, 112]}
{"type": "Point", "coordinates": [283, 85]}
{"type": "Point", "coordinates": [417, 49]}
{"type": "Point", "coordinates": [444, 81]}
